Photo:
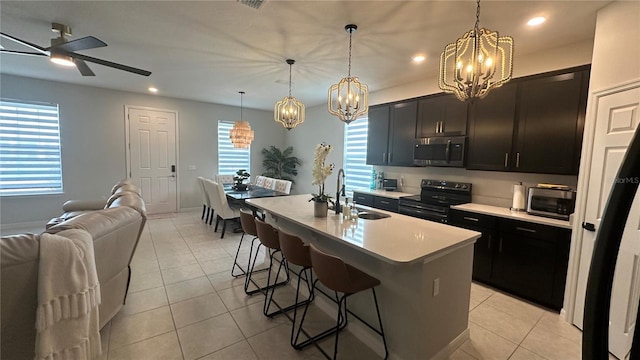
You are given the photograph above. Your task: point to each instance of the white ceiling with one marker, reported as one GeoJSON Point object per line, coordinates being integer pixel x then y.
{"type": "Point", "coordinates": [210, 50]}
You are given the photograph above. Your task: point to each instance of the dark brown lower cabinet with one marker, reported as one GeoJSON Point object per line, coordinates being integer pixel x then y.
{"type": "Point", "coordinates": [526, 259]}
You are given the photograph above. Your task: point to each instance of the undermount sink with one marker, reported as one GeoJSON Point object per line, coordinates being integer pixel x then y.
{"type": "Point", "coordinates": [369, 215]}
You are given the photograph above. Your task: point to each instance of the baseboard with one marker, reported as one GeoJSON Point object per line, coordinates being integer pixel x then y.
{"type": "Point", "coordinates": [190, 209]}
{"type": "Point", "coordinates": [446, 352]}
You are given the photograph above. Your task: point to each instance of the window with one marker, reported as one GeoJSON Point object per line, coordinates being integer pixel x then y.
{"type": "Point", "coordinates": [30, 160]}
{"type": "Point", "coordinates": [230, 159]}
{"type": "Point", "coordinates": [357, 172]}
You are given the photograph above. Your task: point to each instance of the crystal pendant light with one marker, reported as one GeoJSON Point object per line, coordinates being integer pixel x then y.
{"type": "Point", "coordinates": [289, 111]}
{"type": "Point", "coordinates": [477, 62]}
{"type": "Point", "coordinates": [349, 99]}
{"type": "Point", "coordinates": [241, 134]}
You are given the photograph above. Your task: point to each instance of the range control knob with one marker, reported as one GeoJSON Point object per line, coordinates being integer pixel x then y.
{"type": "Point", "coordinates": [464, 186]}
{"type": "Point", "coordinates": [428, 182]}
{"type": "Point", "coordinates": [457, 186]}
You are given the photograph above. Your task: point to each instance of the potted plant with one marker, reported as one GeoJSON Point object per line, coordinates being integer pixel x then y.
{"type": "Point", "coordinates": [240, 176]}
{"type": "Point", "coordinates": [279, 164]}
{"type": "Point", "coordinates": [320, 173]}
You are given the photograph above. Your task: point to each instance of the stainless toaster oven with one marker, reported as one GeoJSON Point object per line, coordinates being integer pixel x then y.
{"type": "Point", "coordinates": [553, 203]}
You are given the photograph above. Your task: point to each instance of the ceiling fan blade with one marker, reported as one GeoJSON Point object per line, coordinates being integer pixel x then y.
{"type": "Point", "coordinates": [22, 52]}
{"type": "Point", "coordinates": [83, 68]}
{"type": "Point", "coordinates": [87, 42]}
{"type": "Point", "coordinates": [25, 43]}
{"type": "Point", "coordinates": [110, 64]}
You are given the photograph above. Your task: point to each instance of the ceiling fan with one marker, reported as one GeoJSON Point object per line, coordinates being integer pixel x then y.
{"type": "Point", "coordinates": [63, 51]}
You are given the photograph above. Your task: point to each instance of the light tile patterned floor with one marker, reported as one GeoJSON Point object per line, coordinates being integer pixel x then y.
{"type": "Point", "coordinates": [184, 304]}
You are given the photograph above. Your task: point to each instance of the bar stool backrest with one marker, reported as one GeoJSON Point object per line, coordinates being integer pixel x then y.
{"type": "Point", "coordinates": [247, 220]}
{"type": "Point", "coordinates": [330, 270]}
{"type": "Point", "coordinates": [267, 234]}
{"type": "Point", "coordinates": [294, 250]}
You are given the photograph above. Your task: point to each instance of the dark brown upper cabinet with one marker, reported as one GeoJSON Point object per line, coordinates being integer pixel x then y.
{"type": "Point", "coordinates": [531, 124]}
{"type": "Point", "coordinates": [391, 134]}
{"type": "Point", "coordinates": [441, 115]}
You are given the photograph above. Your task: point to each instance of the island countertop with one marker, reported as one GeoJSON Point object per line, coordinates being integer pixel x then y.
{"type": "Point", "coordinates": [396, 239]}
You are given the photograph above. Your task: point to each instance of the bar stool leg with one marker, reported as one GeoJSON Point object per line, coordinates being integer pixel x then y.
{"type": "Point", "coordinates": [269, 285]}
{"type": "Point", "coordinates": [251, 266]}
{"type": "Point", "coordinates": [309, 280]}
{"type": "Point", "coordinates": [381, 332]}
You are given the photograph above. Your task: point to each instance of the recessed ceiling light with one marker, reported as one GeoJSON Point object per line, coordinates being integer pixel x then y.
{"type": "Point", "coordinates": [153, 89]}
{"type": "Point", "coordinates": [419, 58]}
{"type": "Point", "coordinates": [536, 21]}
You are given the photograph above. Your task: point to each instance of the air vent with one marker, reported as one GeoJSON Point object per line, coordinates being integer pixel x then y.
{"type": "Point", "coordinates": [256, 4]}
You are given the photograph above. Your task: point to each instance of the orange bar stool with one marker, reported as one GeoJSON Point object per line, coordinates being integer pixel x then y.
{"type": "Point", "coordinates": [248, 228]}
{"type": "Point", "coordinates": [343, 278]}
{"type": "Point", "coordinates": [268, 237]}
{"type": "Point", "coordinates": [297, 253]}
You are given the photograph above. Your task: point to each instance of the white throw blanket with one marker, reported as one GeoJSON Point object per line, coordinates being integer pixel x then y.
{"type": "Point", "coordinates": [67, 321]}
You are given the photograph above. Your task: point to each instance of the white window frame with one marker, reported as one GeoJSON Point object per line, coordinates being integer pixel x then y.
{"type": "Point", "coordinates": [231, 159]}
{"type": "Point", "coordinates": [30, 148]}
{"type": "Point", "coordinates": [357, 172]}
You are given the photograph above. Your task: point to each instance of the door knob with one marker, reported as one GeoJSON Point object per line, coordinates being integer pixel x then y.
{"type": "Point", "coordinates": [588, 226]}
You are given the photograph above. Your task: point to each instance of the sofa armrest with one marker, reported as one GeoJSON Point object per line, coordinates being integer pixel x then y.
{"type": "Point", "coordinates": [77, 205]}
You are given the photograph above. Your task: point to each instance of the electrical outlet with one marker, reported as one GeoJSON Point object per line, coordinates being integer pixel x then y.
{"type": "Point", "coordinates": [436, 287]}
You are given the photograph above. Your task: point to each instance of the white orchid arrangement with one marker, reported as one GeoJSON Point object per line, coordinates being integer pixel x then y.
{"type": "Point", "coordinates": [321, 171]}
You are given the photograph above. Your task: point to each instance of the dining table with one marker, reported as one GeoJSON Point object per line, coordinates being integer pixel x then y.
{"type": "Point", "coordinates": [237, 197]}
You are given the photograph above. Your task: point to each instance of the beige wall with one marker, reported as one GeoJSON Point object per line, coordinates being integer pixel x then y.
{"type": "Point", "coordinates": [93, 142]}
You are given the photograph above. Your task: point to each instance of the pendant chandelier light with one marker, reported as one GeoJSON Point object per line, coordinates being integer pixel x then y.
{"type": "Point", "coordinates": [241, 134]}
{"type": "Point", "coordinates": [289, 111]}
{"type": "Point", "coordinates": [479, 61]}
{"type": "Point", "coordinates": [349, 99]}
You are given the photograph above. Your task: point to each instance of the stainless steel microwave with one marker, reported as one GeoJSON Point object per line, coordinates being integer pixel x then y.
{"type": "Point", "coordinates": [440, 151]}
{"type": "Point", "coordinates": [553, 203]}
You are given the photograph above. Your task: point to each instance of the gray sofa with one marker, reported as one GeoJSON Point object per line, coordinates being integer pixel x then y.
{"type": "Point", "coordinates": [116, 229]}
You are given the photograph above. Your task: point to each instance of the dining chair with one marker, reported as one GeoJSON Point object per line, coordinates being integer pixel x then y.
{"type": "Point", "coordinates": [283, 186]}
{"type": "Point", "coordinates": [206, 203]}
{"type": "Point", "coordinates": [224, 179]}
{"type": "Point", "coordinates": [212, 194]}
{"type": "Point", "coordinates": [222, 208]}
{"type": "Point", "coordinates": [269, 183]}
{"type": "Point", "coordinates": [260, 181]}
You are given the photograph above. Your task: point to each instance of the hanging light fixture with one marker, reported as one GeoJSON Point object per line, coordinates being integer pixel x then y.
{"type": "Point", "coordinates": [289, 111]}
{"type": "Point", "coordinates": [349, 99]}
{"type": "Point", "coordinates": [479, 61]}
{"type": "Point", "coordinates": [241, 134]}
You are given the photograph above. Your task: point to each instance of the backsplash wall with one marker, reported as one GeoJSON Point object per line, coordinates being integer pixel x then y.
{"type": "Point", "coordinates": [489, 187]}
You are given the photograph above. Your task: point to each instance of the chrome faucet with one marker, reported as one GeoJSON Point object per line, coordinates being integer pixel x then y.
{"type": "Point", "coordinates": [339, 190]}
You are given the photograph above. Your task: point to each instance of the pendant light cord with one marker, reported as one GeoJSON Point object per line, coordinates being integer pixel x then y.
{"type": "Point", "coordinates": [477, 15]}
{"type": "Point", "coordinates": [241, 93]}
{"type": "Point", "coordinates": [350, 33]}
{"type": "Point", "coordinates": [290, 66]}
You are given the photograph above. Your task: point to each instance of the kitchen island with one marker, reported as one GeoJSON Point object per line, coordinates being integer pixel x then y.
{"type": "Point", "coordinates": [424, 268]}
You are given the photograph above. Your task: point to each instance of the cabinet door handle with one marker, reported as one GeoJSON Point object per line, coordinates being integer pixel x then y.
{"type": "Point", "coordinates": [517, 159]}
{"type": "Point", "coordinates": [525, 229]}
{"type": "Point", "coordinates": [437, 126]}
{"type": "Point", "coordinates": [506, 159]}
{"type": "Point", "coordinates": [390, 157]}
{"type": "Point", "coordinates": [489, 242]}
{"type": "Point", "coordinates": [384, 157]}
{"type": "Point", "coordinates": [384, 202]}
{"type": "Point", "coordinates": [500, 245]}
{"type": "Point", "coordinates": [441, 126]}
{"type": "Point", "coordinates": [470, 218]}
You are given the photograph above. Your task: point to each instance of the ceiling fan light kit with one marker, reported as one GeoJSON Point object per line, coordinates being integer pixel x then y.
{"type": "Point", "coordinates": [349, 99]}
{"type": "Point", "coordinates": [476, 63]}
{"type": "Point", "coordinates": [289, 111]}
{"type": "Point", "coordinates": [63, 51]}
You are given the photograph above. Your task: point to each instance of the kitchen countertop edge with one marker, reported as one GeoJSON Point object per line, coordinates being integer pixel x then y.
{"type": "Point", "coordinates": [515, 215]}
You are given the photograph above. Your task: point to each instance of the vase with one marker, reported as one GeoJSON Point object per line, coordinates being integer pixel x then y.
{"type": "Point", "coordinates": [320, 209]}
{"type": "Point", "coordinates": [241, 187]}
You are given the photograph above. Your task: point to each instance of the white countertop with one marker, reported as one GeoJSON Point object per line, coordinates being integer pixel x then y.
{"type": "Point", "coordinates": [396, 239]}
{"type": "Point", "coordinates": [507, 213]}
{"type": "Point", "coordinates": [384, 193]}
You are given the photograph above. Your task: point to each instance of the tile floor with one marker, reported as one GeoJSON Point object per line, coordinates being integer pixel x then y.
{"type": "Point", "coordinates": [184, 304]}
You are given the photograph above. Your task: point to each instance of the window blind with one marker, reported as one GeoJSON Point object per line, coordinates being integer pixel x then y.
{"type": "Point", "coordinates": [357, 172]}
{"type": "Point", "coordinates": [230, 159]}
{"type": "Point", "coordinates": [30, 157]}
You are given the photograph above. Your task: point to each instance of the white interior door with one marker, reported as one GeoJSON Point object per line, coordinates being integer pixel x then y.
{"type": "Point", "coordinates": [616, 120]}
{"type": "Point", "coordinates": [152, 164]}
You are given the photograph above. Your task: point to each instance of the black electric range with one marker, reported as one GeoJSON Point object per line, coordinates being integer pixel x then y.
{"type": "Point", "coordinates": [436, 196]}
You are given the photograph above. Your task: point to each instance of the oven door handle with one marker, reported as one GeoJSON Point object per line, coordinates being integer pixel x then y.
{"type": "Point", "coordinates": [447, 152]}
{"type": "Point", "coordinates": [425, 207]}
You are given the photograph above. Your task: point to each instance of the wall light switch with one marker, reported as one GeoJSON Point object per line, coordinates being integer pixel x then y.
{"type": "Point", "coordinates": [436, 287]}
{"type": "Point", "coordinates": [191, 167]}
